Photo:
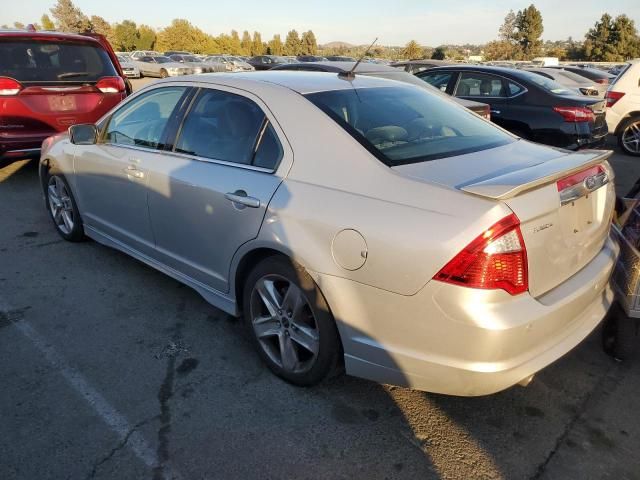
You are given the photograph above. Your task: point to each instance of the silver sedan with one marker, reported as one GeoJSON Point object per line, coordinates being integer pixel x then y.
{"type": "Point", "coordinates": [351, 221]}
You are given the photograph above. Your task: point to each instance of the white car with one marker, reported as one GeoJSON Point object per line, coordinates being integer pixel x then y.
{"type": "Point", "coordinates": [129, 68]}
{"type": "Point", "coordinates": [352, 220]}
{"type": "Point", "coordinates": [623, 108]}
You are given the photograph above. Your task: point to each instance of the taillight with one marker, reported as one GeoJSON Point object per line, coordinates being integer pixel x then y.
{"type": "Point", "coordinates": [602, 81]}
{"type": "Point", "coordinates": [576, 114]}
{"type": "Point", "coordinates": [9, 86]}
{"type": "Point", "coordinates": [497, 259]}
{"type": "Point", "coordinates": [111, 85]}
{"type": "Point", "coordinates": [612, 97]}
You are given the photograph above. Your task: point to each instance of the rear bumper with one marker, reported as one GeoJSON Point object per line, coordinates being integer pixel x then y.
{"type": "Point", "coordinates": [23, 147]}
{"type": "Point", "coordinates": [460, 341]}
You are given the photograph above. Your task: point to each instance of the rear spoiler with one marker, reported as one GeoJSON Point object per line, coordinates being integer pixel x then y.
{"type": "Point", "coordinates": [511, 184]}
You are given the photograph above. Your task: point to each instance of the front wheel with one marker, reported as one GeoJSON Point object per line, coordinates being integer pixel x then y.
{"type": "Point", "coordinates": [62, 208]}
{"type": "Point", "coordinates": [629, 137]}
{"type": "Point", "coordinates": [163, 73]}
{"type": "Point", "coordinates": [289, 322]}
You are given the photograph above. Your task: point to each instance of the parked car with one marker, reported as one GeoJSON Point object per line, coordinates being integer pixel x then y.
{"type": "Point", "coordinates": [267, 62]}
{"type": "Point", "coordinates": [623, 108]}
{"type": "Point", "coordinates": [309, 58]}
{"type": "Point", "coordinates": [161, 66]}
{"type": "Point", "coordinates": [49, 81]}
{"type": "Point", "coordinates": [138, 54]}
{"type": "Point", "coordinates": [593, 74]}
{"type": "Point", "coordinates": [129, 68]}
{"type": "Point", "coordinates": [339, 58]}
{"type": "Point", "coordinates": [415, 66]}
{"type": "Point", "coordinates": [527, 104]}
{"type": "Point", "coordinates": [228, 63]}
{"type": "Point", "coordinates": [176, 52]}
{"type": "Point", "coordinates": [197, 65]}
{"type": "Point", "coordinates": [362, 221]}
{"type": "Point", "coordinates": [572, 81]}
{"type": "Point", "coordinates": [381, 71]}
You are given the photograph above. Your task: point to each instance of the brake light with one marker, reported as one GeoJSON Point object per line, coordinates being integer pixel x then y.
{"type": "Point", "coordinates": [9, 86]}
{"type": "Point", "coordinates": [576, 114]}
{"type": "Point", "coordinates": [497, 259]}
{"type": "Point", "coordinates": [577, 178]}
{"type": "Point", "coordinates": [612, 97]}
{"type": "Point", "coordinates": [111, 85]}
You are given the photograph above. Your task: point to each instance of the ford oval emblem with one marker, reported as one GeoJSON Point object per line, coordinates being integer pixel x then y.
{"type": "Point", "coordinates": [590, 182]}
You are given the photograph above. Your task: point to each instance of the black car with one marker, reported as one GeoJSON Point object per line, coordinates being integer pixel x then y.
{"type": "Point", "coordinates": [339, 58]}
{"type": "Point", "coordinates": [593, 74]}
{"type": "Point", "coordinates": [415, 66]}
{"type": "Point", "coordinates": [267, 62]}
{"type": "Point", "coordinates": [380, 71]}
{"type": "Point", "coordinates": [309, 58]}
{"type": "Point", "coordinates": [527, 104]}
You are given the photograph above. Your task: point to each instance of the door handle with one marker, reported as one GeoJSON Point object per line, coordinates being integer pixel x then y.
{"type": "Point", "coordinates": [239, 197]}
{"type": "Point", "coordinates": [495, 112]}
{"type": "Point", "coordinates": [132, 171]}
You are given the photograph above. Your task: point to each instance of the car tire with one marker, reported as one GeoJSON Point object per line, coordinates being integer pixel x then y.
{"type": "Point", "coordinates": [62, 207]}
{"type": "Point", "coordinates": [163, 73]}
{"type": "Point", "coordinates": [289, 322]}
{"type": "Point", "coordinates": [630, 128]}
{"type": "Point", "coordinates": [620, 334]}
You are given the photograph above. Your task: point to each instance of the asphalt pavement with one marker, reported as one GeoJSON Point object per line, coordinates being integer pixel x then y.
{"type": "Point", "coordinates": [112, 370]}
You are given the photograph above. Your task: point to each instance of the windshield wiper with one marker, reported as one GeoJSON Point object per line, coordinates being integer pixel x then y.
{"type": "Point", "coordinates": [73, 74]}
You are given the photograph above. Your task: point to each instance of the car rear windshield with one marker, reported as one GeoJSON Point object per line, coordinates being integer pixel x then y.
{"type": "Point", "coordinates": [33, 61]}
{"type": "Point", "coordinates": [401, 125]}
{"type": "Point", "coordinates": [162, 59]}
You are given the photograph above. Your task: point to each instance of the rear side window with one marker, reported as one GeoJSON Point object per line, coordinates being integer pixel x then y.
{"type": "Point", "coordinates": [439, 80]}
{"type": "Point", "coordinates": [31, 61]}
{"type": "Point", "coordinates": [228, 127]}
{"type": "Point", "coordinates": [142, 121]}
{"type": "Point", "coordinates": [402, 125]}
{"type": "Point", "coordinates": [472, 84]}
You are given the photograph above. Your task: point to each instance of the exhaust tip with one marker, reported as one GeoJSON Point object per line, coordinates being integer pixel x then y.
{"type": "Point", "coordinates": [526, 381]}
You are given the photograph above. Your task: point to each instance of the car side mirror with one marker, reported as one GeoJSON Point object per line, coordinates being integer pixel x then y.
{"type": "Point", "coordinates": [83, 134]}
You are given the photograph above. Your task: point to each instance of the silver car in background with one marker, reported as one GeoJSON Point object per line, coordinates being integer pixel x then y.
{"type": "Point", "coordinates": [161, 66]}
{"type": "Point", "coordinates": [197, 65]}
{"type": "Point", "coordinates": [356, 221]}
{"type": "Point", "coordinates": [572, 81]}
{"type": "Point", "coordinates": [129, 68]}
{"type": "Point", "coordinates": [228, 63]}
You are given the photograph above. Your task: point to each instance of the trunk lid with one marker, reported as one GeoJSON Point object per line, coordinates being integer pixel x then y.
{"type": "Point", "coordinates": [564, 200]}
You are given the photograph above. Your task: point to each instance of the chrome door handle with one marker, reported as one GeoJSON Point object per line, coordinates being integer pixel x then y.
{"type": "Point", "coordinates": [240, 197]}
{"type": "Point", "coordinates": [497, 112]}
{"type": "Point", "coordinates": [132, 171]}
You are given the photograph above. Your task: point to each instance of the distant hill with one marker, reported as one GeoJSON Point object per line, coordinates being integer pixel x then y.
{"type": "Point", "coordinates": [337, 45]}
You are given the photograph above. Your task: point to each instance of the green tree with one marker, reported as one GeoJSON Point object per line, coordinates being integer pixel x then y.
{"type": "Point", "coordinates": [235, 45]}
{"type": "Point", "coordinates": [101, 26]}
{"type": "Point", "coordinates": [69, 18]}
{"type": "Point", "coordinates": [507, 31]}
{"type": "Point", "coordinates": [146, 38]}
{"type": "Point", "coordinates": [412, 50]}
{"type": "Point", "coordinates": [125, 36]}
{"type": "Point", "coordinates": [275, 47]}
{"type": "Point", "coordinates": [292, 45]}
{"type": "Point", "coordinates": [246, 43]}
{"type": "Point", "coordinates": [47, 23]}
{"type": "Point", "coordinates": [309, 43]}
{"type": "Point", "coordinates": [529, 31]}
{"type": "Point", "coordinates": [625, 38]}
{"type": "Point", "coordinates": [499, 50]}
{"type": "Point", "coordinates": [439, 54]}
{"type": "Point", "coordinates": [257, 47]}
{"type": "Point", "coordinates": [182, 35]}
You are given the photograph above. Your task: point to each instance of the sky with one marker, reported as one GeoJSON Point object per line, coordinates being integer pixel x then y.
{"type": "Point", "coordinates": [429, 22]}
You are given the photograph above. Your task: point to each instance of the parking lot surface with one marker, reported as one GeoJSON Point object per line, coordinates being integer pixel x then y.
{"type": "Point", "coordinates": [110, 369]}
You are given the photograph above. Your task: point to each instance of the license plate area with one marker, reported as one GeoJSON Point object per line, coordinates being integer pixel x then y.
{"type": "Point", "coordinates": [62, 103]}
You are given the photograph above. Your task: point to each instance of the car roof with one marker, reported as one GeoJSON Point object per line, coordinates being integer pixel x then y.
{"type": "Point", "coordinates": [48, 35]}
{"type": "Point", "coordinates": [341, 66]}
{"type": "Point", "coordinates": [298, 81]}
{"type": "Point", "coordinates": [504, 71]}
{"type": "Point", "coordinates": [425, 61]}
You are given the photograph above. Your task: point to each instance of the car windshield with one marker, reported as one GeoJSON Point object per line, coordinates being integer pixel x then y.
{"type": "Point", "coordinates": [404, 124]}
{"type": "Point", "coordinates": [545, 83]}
{"type": "Point", "coordinates": [190, 58]}
{"type": "Point", "coordinates": [162, 59]}
{"type": "Point", "coordinates": [47, 61]}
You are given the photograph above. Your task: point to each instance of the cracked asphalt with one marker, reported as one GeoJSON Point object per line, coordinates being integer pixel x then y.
{"type": "Point", "coordinates": [111, 370]}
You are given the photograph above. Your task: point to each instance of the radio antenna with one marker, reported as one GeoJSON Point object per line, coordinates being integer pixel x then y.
{"type": "Point", "coordinates": [351, 74]}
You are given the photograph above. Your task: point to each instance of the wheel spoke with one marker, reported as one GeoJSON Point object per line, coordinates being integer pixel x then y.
{"type": "Point", "coordinates": [266, 326]}
{"type": "Point", "coordinates": [269, 296]}
{"type": "Point", "coordinates": [288, 354]}
{"type": "Point", "coordinates": [306, 337]}
{"type": "Point", "coordinates": [53, 196]}
{"type": "Point", "coordinates": [293, 301]}
{"type": "Point", "coordinates": [66, 218]}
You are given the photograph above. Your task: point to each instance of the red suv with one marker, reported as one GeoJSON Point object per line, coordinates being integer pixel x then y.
{"type": "Point", "coordinates": [49, 81]}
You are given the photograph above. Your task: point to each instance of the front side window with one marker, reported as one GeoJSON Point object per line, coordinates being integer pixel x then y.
{"type": "Point", "coordinates": [228, 127]}
{"type": "Point", "coordinates": [439, 80]}
{"type": "Point", "coordinates": [402, 125]}
{"type": "Point", "coordinates": [472, 84]}
{"type": "Point", "coordinates": [142, 121]}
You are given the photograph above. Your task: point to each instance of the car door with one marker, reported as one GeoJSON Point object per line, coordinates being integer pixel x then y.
{"type": "Point", "coordinates": [486, 88]}
{"type": "Point", "coordinates": [443, 80]}
{"type": "Point", "coordinates": [210, 195]}
{"type": "Point", "coordinates": [111, 176]}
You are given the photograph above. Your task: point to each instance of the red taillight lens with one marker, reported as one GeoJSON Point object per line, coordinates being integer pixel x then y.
{"type": "Point", "coordinates": [612, 97]}
{"type": "Point", "coordinates": [497, 259]}
{"type": "Point", "coordinates": [576, 114]}
{"type": "Point", "coordinates": [111, 85]}
{"type": "Point", "coordinates": [576, 178]}
{"type": "Point", "coordinates": [9, 86]}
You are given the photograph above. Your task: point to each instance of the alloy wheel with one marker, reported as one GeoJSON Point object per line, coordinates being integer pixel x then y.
{"type": "Point", "coordinates": [631, 137]}
{"type": "Point", "coordinates": [284, 324]}
{"type": "Point", "coordinates": [60, 204]}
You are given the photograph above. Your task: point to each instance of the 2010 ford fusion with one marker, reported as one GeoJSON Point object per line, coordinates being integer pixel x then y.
{"type": "Point", "coordinates": [349, 220]}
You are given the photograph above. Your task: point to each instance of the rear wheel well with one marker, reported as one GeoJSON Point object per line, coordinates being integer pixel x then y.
{"type": "Point", "coordinates": [245, 266]}
{"type": "Point", "coordinates": [44, 167]}
{"type": "Point", "coordinates": [624, 120]}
